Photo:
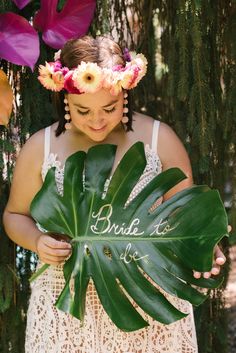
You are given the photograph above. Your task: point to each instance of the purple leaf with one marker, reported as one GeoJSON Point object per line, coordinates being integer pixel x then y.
{"type": "Point", "coordinates": [72, 21]}
{"type": "Point", "coordinates": [19, 42]}
{"type": "Point", "coordinates": [21, 3]}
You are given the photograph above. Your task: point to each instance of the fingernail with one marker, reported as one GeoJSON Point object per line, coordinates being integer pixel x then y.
{"type": "Point", "coordinates": [220, 260]}
{"type": "Point", "coordinates": [197, 275]}
{"type": "Point", "coordinates": [215, 271]}
{"type": "Point", "coordinates": [206, 275]}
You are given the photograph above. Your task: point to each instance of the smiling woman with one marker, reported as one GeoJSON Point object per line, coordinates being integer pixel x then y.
{"type": "Point", "coordinates": [109, 71]}
{"type": "Point", "coordinates": [90, 80]}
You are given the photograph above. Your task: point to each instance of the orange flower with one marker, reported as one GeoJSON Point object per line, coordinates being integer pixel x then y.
{"type": "Point", "coordinates": [51, 80]}
{"type": "Point", "coordinates": [90, 78]}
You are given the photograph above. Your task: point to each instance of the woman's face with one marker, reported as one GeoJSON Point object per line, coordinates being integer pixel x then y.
{"type": "Point", "coordinates": [95, 114]}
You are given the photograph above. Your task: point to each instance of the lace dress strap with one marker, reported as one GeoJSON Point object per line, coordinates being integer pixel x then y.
{"type": "Point", "coordinates": [47, 142]}
{"type": "Point", "coordinates": [155, 132]}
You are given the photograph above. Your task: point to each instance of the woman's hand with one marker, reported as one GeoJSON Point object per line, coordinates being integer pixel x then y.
{"type": "Point", "coordinates": [218, 262]}
{"type": "Point", "coordinates": [53, 249]}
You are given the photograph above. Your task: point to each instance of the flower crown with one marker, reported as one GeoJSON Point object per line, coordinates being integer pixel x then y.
{"type": "Point", "coordinates": [88, 77]}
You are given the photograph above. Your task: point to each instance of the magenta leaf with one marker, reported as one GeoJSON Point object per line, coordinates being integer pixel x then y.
{"type": "Point", "coordinates": [19, 42]}
{"type": "Point", "coordinates": [21, 3]}
{"type": "Point", "coordinates": [72, 21]}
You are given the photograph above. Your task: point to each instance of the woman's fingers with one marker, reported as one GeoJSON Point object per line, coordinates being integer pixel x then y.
{"type": "Point", "coordinates": [215, 270]}
{"type": "Point", "coordinates": [53, 259]}
{"type": "Point", "coordinates": [52, 251]}
{"type": "Point", "coordinates": [55, 244]}
{"type": "Point", "coordinates": [56, 252]}
{"type": "Point", "coordinates": [218, 262]}
{"type": "Point", "coordinates": [196, 274]}
{"type": "Point", "coordinates": [219, 256]}
{"type": "Point", "coordinates": [57, 248]}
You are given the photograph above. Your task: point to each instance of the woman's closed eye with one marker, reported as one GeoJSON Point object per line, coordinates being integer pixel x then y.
{"type": "Point", "coordinates": [108, 111]}
{"type": "Point", "coordinates": [83, 113]}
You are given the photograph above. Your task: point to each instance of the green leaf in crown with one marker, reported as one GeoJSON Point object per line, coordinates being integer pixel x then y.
{"type": "Point", "coordinates": [118, 244]}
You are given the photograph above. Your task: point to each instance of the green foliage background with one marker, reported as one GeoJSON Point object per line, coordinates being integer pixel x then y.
{"type": "Point", "coordinates": [190, 85]}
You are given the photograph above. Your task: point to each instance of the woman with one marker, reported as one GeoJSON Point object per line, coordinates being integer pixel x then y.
{"type": "Point", "coordinates": [91, 78]}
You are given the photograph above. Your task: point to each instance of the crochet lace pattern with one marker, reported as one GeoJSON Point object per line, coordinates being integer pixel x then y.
{"type": "Point", "coordinates": [50, 330]}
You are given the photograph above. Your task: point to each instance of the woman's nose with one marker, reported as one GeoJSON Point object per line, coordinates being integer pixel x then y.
{"type": "Point", "coordinates": [97, 117]}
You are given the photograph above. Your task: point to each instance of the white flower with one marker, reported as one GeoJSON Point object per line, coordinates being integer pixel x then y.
{"type": "Point", "coordinates": [57, 55]}
{"type": "Point", "coordinates": [88, 77]}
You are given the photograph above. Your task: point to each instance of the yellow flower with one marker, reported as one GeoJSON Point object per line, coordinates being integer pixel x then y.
{"type": "Point", "coordinates": [88, 77]}
{"type": "Point", "coordinates": [50, 79]}
{"type": "Point", "coordinates": [46, 70]}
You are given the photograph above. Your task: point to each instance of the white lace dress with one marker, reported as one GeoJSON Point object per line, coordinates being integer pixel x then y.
{"type": "Point", "coordinates": [50, 330]}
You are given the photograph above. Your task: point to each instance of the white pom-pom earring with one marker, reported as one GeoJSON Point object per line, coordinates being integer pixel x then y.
{"type": "Point", "coordinates": [125, 118]}
{"type": "Point", "coordinates": [67, 115]}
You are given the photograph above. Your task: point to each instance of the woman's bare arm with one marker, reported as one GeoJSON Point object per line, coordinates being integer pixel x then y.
{"type": "Point", "coordinates": [173, 154]}
{"type": "Point", "coordinates": [18, 222]}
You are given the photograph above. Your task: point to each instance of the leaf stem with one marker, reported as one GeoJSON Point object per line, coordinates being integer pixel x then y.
{"type": "Point", "coordinates": [93, 238]}
{"type": "Point", "coordinates": [39, 272]}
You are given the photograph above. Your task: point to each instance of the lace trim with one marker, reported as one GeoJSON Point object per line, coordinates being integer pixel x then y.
{"type": "Point", "coordinates": [50, 330]}
{"type": "Point", "coordinates": [153, 167]}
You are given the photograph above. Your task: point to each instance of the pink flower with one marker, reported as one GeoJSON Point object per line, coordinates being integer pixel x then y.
{"type": "Point", "coordinates": [130, 77]}
{"type": "Point", "coordinates": [56, 66]}
{"type": "Point", "coordinates": [90, 78]}
{"type": "Point", "coordinates": [69, 84]}
{"type": "Point", "coordinates": [134, 71]}
{"type": "Point", "coordinates": [140, 61]}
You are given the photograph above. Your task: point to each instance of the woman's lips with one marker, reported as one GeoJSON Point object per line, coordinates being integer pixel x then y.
{"type": "Point", "coordinates": [98, 130]}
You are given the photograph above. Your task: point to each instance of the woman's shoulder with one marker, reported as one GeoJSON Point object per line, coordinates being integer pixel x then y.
{"type": "Point", "coordinates": [143, 125]}
{"type": "Point", "coordinates": [34, 142]}
{"type": "Point", "coordinates": [140, 118]}
{"type": "Point", "coordinates": [142, 128]}
{"type": "Point", "coordinates": [37, 139]}
{"type": "Point", "coordinates": [34, 147]}
{"type": "Point", "coordinates": [143, 119]}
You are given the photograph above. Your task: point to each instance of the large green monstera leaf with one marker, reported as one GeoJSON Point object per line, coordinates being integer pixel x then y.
{"type": "Point", "coordinates": [119, 244]}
